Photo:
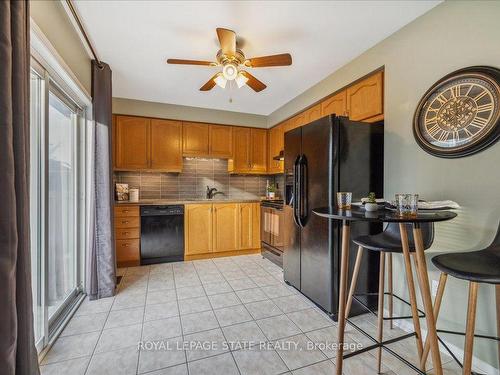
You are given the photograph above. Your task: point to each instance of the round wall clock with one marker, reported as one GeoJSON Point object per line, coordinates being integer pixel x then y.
{"type": "Point", "coordinates": [460, 114]}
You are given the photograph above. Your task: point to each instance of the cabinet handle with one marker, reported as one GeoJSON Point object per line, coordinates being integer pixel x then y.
{"type": "Point", "coordinates": [124, 244]}
{"type": "Point", "coordinates": [125, 233]}
{"type": "Point", "coordinates": [124, 221]}
{"type": "Point", "coordinates": [125, 211]}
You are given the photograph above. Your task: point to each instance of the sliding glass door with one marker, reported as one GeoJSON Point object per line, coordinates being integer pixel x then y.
{"type": "Point", "coordinates": [56, 183]}
{"type": "Point", "coordinates": [62, 203]}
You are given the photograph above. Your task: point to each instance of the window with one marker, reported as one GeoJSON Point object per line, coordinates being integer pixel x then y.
{"type": "Point", "coordinates": [57, 185]}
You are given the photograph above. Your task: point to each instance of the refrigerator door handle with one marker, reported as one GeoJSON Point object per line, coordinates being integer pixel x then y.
{"type": "Point", "coordinates": [295, 191]}
{"type": "Point", "coordinates": [303, 191]}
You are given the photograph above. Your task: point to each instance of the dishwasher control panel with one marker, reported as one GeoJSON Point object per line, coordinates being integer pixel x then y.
{"type": "Point", "coordinates": [162, 210]}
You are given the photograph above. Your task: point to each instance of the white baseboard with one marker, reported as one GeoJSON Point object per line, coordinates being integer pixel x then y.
{"type": "Point", "coordinates": [483, 367]}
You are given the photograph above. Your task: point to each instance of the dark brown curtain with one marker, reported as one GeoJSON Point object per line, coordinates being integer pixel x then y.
{"type": "Point", "coordinates": [101, 273]}
{"type": "Point", "coordinates": [17, 349]}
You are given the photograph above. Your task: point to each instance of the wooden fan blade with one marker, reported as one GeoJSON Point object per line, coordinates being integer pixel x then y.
{"type": "Point", "coordinates": [191, 62]}
{"type": "Point", "coordinates": [210, 84]}
{"type": "Point", "coordinates": [274, 60]}
{"type": "Point", "coordinates": [253, 82]}
{"type": "Point", "coordinates": [227, 40]}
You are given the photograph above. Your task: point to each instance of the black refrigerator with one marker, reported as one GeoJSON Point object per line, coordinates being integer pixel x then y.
{"type": "Point", "coordinates": [329, 155]}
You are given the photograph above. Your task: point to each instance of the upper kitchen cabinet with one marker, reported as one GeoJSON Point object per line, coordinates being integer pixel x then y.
{"type": "Point", "coordinates": [166, 145]}
{"type": "Point", "coordinates": [258, 147]}
{"type": "Point", "coordinates": [336, 104]}
{"type": "Point", "coordinates": [241, 155]}
{"type": "Point", "coordinates": [365, 99]}
{"type": "Point", "coordinates": [221, 141]}
{"type": "Point", "coordinates": [312, 114]}
{"type": "Point", "coordinates": [250, 151]}
{"type": "Point", "coordinates": [207, 140]}
{"type": "Point", "coordinates": [131, 143]}
{"type": "Point", "coordinates": [195, 139]}
{"type": "Point", "coordinates": [147, 144]}
{"type": "Point", "coordinates": [297, 121]}
{"type": "Point", "coordinates": [276, 143]}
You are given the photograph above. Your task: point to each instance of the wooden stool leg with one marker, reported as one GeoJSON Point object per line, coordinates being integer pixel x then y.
{"type": "Point", "coordinates": [354, 280]}
{"type": "Point", "coordinates": [391, 291]}
{"type": "Point", "coordinates": [344, 265]}
{"type": "Point", "coordinates": [437, 306]}
{"type": "Point", "coordinates": [380, 314]}
{"type": "Point", "coordinates": [427, 299]}
{"type": "Point", "coordinates": [411, 289]}
{"type": "Point", "coordinates": [470, 327]}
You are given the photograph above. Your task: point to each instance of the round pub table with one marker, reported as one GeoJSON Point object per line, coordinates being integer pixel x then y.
{"type": "Point", "coordinates": [387, 216]}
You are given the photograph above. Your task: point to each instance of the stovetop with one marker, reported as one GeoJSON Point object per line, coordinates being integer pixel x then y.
{"type": "Point", "coordinates": [274, 203]}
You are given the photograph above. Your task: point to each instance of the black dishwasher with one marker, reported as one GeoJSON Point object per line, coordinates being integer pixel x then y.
{"type": "Point", "coordinates": [162, 234]}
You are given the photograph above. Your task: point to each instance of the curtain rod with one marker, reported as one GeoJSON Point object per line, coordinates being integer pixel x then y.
{"type": "Point", "coordinates": [84, 33]}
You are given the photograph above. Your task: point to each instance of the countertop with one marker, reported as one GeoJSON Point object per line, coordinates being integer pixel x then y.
{"type": "Point", "coordinates": [165, 202]}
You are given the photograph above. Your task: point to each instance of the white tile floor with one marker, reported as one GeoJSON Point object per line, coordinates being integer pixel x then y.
{"type": "Point", "coordinates": [237, 300]}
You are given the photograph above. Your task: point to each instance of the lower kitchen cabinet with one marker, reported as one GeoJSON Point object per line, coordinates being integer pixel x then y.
{"type": "Point", "coordinates": [225, 228]}
{"type": "Point", "coordinates": [198, 229]}
{"type": "Point", "coordinates": [249, 225]}
{"type": "Point", "coordinates": [127, 235]}
{"type": "Point", "coordinates": [221, 229]}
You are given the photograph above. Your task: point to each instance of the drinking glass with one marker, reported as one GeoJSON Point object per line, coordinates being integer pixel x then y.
{"type": "Point", "coordinates": [344, 200]}
{"type": "Point", "coordinates": [407, 205]}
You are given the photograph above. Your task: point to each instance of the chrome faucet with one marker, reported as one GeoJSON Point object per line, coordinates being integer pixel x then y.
{"type": "Point", "coordinates": [211, 192]}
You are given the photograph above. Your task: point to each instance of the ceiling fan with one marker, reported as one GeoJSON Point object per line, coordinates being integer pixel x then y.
{"type": "Point", "coordinates": [233, 60]}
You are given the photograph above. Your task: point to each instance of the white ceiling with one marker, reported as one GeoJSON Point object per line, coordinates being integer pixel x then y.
{"type": "Point", "coordinates": [136, 38]}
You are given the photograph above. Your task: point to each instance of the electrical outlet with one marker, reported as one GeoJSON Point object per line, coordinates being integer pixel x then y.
{"type": "Point", "coordinates": [435, 285]}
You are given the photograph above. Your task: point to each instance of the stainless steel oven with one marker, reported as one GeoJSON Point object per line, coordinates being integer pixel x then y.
{"type": "Point", "coordinates": [272, 230]}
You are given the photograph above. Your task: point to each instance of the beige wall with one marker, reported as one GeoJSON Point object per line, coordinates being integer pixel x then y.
{"type": "Point", "coordinates": [50, 16]}
{"type": "Point", "coordinates": [453, 35]}
{"type": "Point", "coordinates": [180, 112]}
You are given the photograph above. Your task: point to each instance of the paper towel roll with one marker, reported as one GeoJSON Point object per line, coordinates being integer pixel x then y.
{"type": "Point", "coordinates": [134, 195]}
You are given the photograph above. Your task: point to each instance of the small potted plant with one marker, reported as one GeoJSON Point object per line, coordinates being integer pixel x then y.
{"type": "Point", "coordinates": [371, 203]}
{"type": "Point", "coordinates": [271, 191]}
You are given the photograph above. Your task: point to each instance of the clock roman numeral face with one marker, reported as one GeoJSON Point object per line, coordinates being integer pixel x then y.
{"type": "Point", "coordinates": [458, 113]}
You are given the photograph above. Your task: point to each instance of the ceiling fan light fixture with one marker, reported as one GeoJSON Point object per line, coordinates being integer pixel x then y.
{"type": "Point", "coordinates": [241, 80]}
{"type": "Point", "coordinates": [221, 81]}
{"type": "Point", "coordinates": [230, 71]}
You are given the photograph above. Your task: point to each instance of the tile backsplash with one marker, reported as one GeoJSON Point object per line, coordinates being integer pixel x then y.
{"type": "Point", "coordinates": [192, 182]}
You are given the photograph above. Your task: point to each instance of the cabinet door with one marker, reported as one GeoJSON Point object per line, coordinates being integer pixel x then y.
{"type": "Point", "coordinates": [337, 104]}
{"type": "Point", "coordinates": [288, 125]}
{"type": "Point", "coordinates": [313, 113]}
{"type": "Point", "coordinates": [249, 225]}
{"type": "Point", "coordinates": [276, 142]}
{"type": "Point", "coordinates": [225, 227]}
{"type": "Point", "coordinates": [166, 145]}
{"type": "Point", "coordinates": [221, 141]}
{"type": "Point", "coordinates": [131, 142]}
{"type": "Point", "coordinates": [241, 150]}
{"type": "Point", "coordinates": [364, 99]}
{"type": "Point", "coordinates": [195, 139]}
{"type": "Point", "coordinates": [258, 138]}
{"type": "Point", "coordinates": [298, 120]}
{"type": "Point", "coordinates": [198, 228]}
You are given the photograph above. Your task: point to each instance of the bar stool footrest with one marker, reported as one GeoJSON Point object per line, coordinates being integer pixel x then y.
{"type": "Point", "coordinates": [462, 334]}
{"type": "Point", "coordinates": [421, 314]}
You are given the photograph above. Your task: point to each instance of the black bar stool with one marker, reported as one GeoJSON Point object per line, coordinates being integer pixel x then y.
{"type": "Point", "coordinates": [476, 267]}
{"type": "Point", "coordinates": [389, 241]}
